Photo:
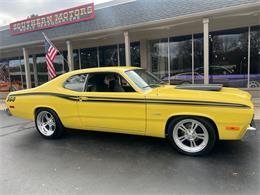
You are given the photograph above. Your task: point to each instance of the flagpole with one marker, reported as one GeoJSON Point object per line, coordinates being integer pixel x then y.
{"type": "Point", "coordinates": [47, 39]}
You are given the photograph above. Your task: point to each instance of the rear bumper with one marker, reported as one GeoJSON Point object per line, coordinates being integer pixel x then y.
{"type": "Point", "coordinates": [7, 111]}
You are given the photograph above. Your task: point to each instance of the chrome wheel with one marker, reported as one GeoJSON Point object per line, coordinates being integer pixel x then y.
{"type": "Point", "coordinates": [190, 135]}
{"type": "Point", "coordinates": [46, 123]}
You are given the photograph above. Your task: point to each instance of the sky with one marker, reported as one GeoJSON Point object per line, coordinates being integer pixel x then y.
{"type": "Point", "coordinates": [14, 10]}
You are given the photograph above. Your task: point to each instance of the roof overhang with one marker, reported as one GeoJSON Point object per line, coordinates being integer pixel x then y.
{"type": "Point", "coordinates": [250, 8]}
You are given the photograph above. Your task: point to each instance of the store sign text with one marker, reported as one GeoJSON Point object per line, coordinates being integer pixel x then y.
{"type": "Point", "coordinates": [73, 15]}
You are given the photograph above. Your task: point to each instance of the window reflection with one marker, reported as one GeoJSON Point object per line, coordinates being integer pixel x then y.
{"type": "Point", "coordinates": [76, 59]}
{"type": "Point", "coordinates": [31, 71]}
{"type": "Point", "coordinates": [5, 84]}
{"type": "Point", "coordinates": [64, 61]}
{"type": "Point", "coordinates": [159, 58]}
{"type": "Point", "coordinates": [15, 72]}
{"type": "Point", "coordinates": [108, 56]}
{"type": "Point", "coordinates": [254, 81]}
{"type": "Point", "coordinates": [181, 60]}
{"type": "Point", "coordinates": [58, 64]}
{"type": "Point", "coordinates": [88, 57]}
{"type": "Point", "coordinates": [228, 57]}
{"type": "Point", "coordinates": [135, 54]}
{"type": "Point", "coordinates": [198, 59]}
{"type": "Point", "coordinates": [41, 69]}
{"type": "Point", "coordinates": [4, 71]}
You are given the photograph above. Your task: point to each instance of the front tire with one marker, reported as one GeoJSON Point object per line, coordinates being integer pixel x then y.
{"type": "Point", "coordinates": [48, 124]}
{"type": "Point", "coordinates": [192, 136]}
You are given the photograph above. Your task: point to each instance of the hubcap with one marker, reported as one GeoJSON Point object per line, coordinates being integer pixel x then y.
{"type": "Point", "coordinates": [190, 135]}
{"type": "Point", "coordinates": [46, 123]}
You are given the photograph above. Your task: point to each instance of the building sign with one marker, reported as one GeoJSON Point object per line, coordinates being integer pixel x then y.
{"type": "Point", "coordinates": [72, 15]}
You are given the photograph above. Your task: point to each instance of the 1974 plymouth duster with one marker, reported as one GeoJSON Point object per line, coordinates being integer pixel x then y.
{"type": "Point", "coordinates": [133, 101]}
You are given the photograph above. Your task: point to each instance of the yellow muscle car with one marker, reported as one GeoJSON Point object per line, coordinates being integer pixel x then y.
{"type": "Point", "coordinates": [133, 101]}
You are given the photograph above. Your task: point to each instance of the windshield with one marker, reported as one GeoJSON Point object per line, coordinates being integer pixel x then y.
{"type": "Point", "coordinates": [143, 79]}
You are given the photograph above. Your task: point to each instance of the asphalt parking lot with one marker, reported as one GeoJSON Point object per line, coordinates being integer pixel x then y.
{"type": "Point", "coordinates": [102, 163]}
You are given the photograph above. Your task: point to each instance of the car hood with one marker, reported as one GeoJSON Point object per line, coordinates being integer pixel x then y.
{"type": "Point", "coordinates": [226, 95]}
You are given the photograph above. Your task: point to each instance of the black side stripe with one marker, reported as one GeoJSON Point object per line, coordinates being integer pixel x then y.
{"type": "Point", "coordinates": [134, 100]}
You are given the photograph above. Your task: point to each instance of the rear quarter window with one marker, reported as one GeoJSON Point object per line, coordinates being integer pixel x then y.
{"type": "Point", "coordinates": [75, 83]}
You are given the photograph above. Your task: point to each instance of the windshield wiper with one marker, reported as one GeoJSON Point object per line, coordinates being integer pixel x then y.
{"type": "Point", "coordinates": [152, 86]}
{"type": "Point", "coordinates": [163, 82]}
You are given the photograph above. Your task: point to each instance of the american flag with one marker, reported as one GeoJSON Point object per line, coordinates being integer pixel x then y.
{"type": "Point", "coordinates": [50, 54]}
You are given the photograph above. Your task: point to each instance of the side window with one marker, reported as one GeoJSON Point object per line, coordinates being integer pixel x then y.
{"type": "Point", "coordinates": [76, 82]}
{"type": "Point", "coordinates": [107, 82]}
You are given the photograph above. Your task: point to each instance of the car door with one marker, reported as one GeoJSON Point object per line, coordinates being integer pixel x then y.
{"type": "Point", "coordinates": [115, 111]}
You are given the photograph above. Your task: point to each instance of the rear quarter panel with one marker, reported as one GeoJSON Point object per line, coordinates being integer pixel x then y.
{"type": "Point", "coordinates": [25, 107]}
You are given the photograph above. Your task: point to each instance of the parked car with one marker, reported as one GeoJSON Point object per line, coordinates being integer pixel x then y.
{"type": "Point", "coordinates": [217, 75]}
{"type": "Point", "coordinates": [133, 101]}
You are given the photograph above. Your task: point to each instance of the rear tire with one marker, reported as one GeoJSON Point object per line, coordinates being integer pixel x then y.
{"type": "Point", "coordinates": [193, 136]}
{"type": "Point", "coordinates": [48, 124]}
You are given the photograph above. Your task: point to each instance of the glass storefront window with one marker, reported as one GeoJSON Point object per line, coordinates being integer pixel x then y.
{"type": "Point", "coordinates": [4, 71]}
{"type": "Point", "coordinates": [159, 58]}
{"type": "Point", "coordinates": [5, 84]}
{"type": "Point", "coordinates": [59, 64]}
{"type": "Point", "coordinates": [198, 59]}
{"type": "Point", "coordinates": [135, 54]}
{"type": "Point", "coordinates": [170, 61]}
{"type": "Point", "coordinates": [15, 72]}
{"type": "Point", "coordinates": [254, 81]}
{"type": "Point", "coordinates": [88, 58]}
{"type": "Point", "coordinates": [181, 60]}
{"type": "Point", "coordinates": [228, 57]}
{"type": "Point", "coordinates": [31, 70]}
{"type": "Point", "coordinates": [41, 69]}
{"type": "Point", "coordinates": [122, 54]}
{"type": "Point", "coordinates": [108, 56]}
{"type": "Point", "coordinates": [76, 59]}
{"type": "Point", "coordinates": [64, 61]}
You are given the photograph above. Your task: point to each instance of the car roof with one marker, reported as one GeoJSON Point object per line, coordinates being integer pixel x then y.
{"type": "Point", "coordinates": [105, 69]}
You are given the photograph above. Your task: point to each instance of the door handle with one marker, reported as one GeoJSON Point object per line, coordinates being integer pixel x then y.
{"type": "Point", "coordinates": [83, 99]}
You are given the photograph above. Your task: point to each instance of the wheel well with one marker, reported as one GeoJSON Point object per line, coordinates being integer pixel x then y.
{"type": "Point", "coordinates": [205, 118]}
{"type": "Point", "coordinates": [39, 108]}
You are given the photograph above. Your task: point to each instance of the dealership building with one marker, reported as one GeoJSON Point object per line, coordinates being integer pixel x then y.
{"type": "Point", "coordinates": [195, 41]}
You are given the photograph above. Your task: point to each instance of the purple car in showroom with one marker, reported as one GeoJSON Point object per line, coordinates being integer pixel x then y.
{"type": "Point", "coordinates": [217, 75]}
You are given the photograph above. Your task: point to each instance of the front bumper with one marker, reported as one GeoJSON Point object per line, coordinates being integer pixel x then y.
{"type": "Point", "coordinates": [252, 126]}
{"type": "Point", "coordinates": [250, 131]}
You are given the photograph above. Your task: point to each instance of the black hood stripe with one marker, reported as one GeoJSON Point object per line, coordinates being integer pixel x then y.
{"type": "Point", "coordinates": [133, 100]}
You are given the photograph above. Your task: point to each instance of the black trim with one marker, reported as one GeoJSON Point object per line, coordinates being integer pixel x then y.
{"type": "Point", "coordinates": [134, 100]}
{"type": "Point", "coordinates": [69, 97]}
